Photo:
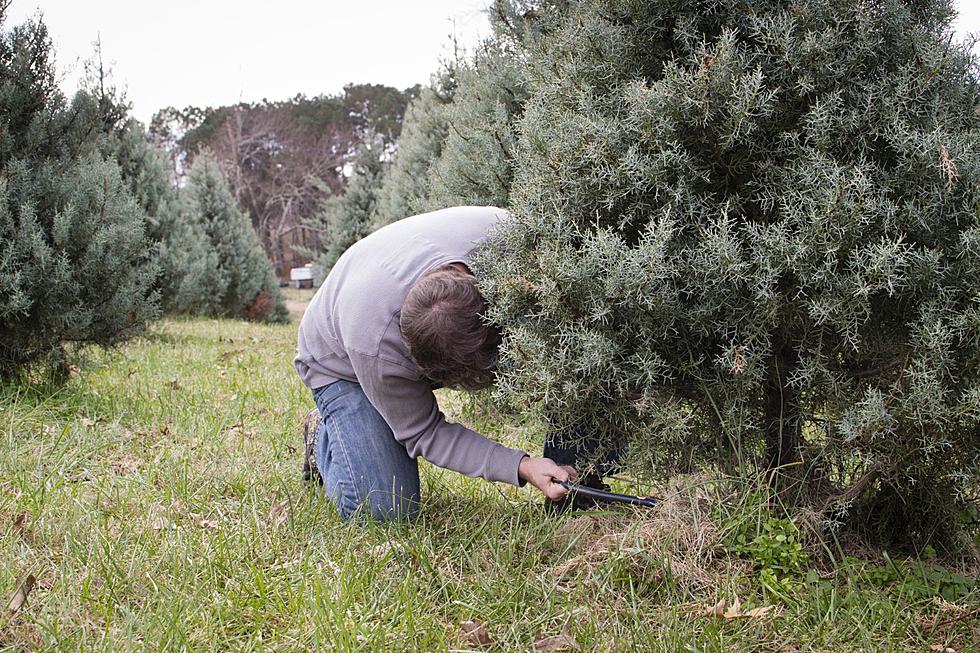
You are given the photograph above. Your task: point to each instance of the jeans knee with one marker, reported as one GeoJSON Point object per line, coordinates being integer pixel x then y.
{"type": "Point", "coordinates": [379, 506]}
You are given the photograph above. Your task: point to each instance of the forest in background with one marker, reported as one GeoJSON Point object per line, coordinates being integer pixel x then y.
{"type": "Point", "coordinates": [282, 158]}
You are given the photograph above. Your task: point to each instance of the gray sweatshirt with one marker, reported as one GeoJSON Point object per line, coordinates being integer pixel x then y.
{"type": "Point", "coordinates": [351, 331]}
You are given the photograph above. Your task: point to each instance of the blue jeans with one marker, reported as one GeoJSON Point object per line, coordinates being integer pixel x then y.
{"type": "Point", "coordinates": [365, 471]}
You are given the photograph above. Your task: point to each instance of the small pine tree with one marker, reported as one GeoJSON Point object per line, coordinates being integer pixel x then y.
{"type": "Point", "coordinates": [747, 235]}
{"type": "Point", "coordinates": [405, 188]}
{"type": "Point", "coordinates": [245, 285]}
{"type": "Point", "coordinates": [191, 281]}
{"type": "Point", "coordinates": [344, 219]}
{"type": "Point", "coordinates": [189, 278]}
{"type": "Point", "coordinates": [458, 140]}
{"type": "Point", "coordinates": [75, 265]}
{"type": "Point", "coordinates": [474, 166]}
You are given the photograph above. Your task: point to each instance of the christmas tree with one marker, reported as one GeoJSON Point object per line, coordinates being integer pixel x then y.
{"type": "Point", "coordinates": [746, 237]}
{"type": "Point", "coordinates": [75, 263]}
{"type": "Point", "coordinates": [344, 219]}
{"type": "Point", "coordinates": [244, 284]}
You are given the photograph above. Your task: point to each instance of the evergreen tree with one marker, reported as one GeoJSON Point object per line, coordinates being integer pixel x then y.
{"type": "Point", "coordinates": [189, 278]}
{"type": "Point", "coordinates": [345, 219]}
{"type": "Point", "coordinates": [404, 190]}
{"type": "Point", "coordinates": [474, 165]}
{"type": "Point", "coordinates": [75, 265]}
{"type": "Point", "coordinates": [188, 281]}
{"type": "Point", "coordinates": [191, 281]}
{"type": "Point", "coordinates": [244, 284]}
{"type": "Point", "coordinates": [746, 234]}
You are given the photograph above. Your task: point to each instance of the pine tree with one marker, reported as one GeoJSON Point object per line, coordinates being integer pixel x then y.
{"type": "Point", "coordinates": [474, 166]}
{"type": "Point", "coordinates": [188, 279]}
{"type": "Point", "coordinates": [405, 188]}
{"type": "Point", "coordinates": [75, 265]}
{"type": "Point", "coordinates": [746, 235]}
{"type": "Point", "coordinates": [344, 219]}
{"type": "Point", "coordinates": [245, 285]}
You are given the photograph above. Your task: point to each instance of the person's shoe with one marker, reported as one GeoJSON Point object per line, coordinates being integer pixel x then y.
{"type": "Point", "coordinates": [574, 501]}
{"type": "Point", "coordinates": [310, 424]}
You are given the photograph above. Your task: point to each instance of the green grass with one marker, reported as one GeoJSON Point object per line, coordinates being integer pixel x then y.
{"type": "Point", "coordinates": [157, 500]}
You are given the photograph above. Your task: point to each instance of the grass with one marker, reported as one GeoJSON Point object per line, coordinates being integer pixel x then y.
{"type": "Point", "coordinates": [157, 501]}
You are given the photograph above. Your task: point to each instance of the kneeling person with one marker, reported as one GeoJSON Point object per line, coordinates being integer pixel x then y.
{"type": "Point", "coordinates": [398, 315]}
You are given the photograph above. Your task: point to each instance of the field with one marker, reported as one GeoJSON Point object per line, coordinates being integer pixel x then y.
{"type": "Point", "coordinates": [156, 501]}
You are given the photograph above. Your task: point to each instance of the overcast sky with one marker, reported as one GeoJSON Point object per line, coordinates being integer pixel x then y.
{"type": "Point", "coordinates": [215, 52]}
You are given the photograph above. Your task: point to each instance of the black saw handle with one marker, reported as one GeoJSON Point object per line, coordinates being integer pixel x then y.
{"type": "Point", "coordinates": [616, 497]}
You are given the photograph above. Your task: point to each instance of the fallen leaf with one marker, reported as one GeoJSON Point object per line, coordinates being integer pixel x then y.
{"type": "Point", "coordinates": [380, 550]}
{"type": "Point", "coordinates": [47, 583]}
{"type": "Point", "coordinates": [203, 522]}
{"type": "Point", "coordinates": [19, 522]}
{"type": "Point", "coordinates": [735, 611]}
{"type": "Point", "coordinates": [474, 632]}
{"type": "Point", "coordinates": [228, 355]}
{"type": "Point", "coordinates": [279, 513]}
{"type": "Point", "coordinates": [125, 465]}
{"type": "Point", "coordinates": [19, 599]}
{"type": "Point", "coordinates": [563, 641]}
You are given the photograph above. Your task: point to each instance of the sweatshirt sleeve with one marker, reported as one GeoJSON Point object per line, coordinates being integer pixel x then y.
{"type": "Point", "coordinates": [411, 410]}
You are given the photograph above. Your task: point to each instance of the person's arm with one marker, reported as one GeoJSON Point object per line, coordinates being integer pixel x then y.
{"type": "Point", "coordinates": [411, 410]}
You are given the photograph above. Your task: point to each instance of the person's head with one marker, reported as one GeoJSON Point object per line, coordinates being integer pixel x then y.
{"type": "Point", "coordinates": [446, 336]}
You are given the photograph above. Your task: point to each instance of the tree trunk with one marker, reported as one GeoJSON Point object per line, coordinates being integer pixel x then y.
{"type": "Point", "coordinates": [782, 411]}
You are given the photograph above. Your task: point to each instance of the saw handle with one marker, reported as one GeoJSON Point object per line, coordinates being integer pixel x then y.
{"type": "Point", "coordinates": [603, 495]}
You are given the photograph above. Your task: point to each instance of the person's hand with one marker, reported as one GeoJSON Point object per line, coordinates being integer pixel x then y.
{"type": "Point", "coordinates": [542, 474]}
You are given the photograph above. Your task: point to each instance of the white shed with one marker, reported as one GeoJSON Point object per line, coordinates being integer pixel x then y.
{"type": "Point", "coordinates": [302, 277]}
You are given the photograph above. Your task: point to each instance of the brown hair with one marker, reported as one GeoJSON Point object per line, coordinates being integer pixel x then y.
{"type": "Point", "coordinates": [443, 328]}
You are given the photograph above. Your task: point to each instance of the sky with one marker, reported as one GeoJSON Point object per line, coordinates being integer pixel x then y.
{"type": "Point", "coordinates": [217, 52]}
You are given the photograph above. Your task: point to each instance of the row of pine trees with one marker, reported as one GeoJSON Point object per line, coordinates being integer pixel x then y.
{"type": "Point", "coordinates": [96, 239]}
{"type": "Point", "coordinates": [745, 237]}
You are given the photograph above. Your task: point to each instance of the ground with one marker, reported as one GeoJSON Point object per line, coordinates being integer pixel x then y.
{"type": "Point", "coordinates": [156, 501]}
{"type": "Point", "coordinates": [297, 300]}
